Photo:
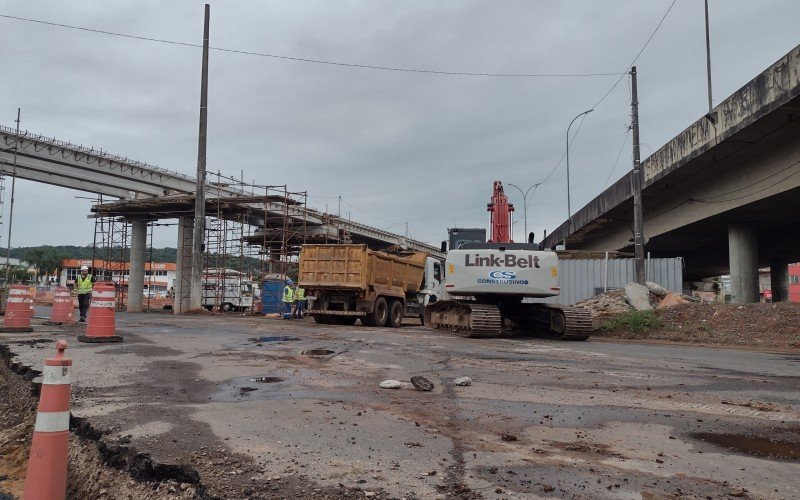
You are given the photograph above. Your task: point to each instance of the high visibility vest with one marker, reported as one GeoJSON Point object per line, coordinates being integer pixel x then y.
{"type": "Point", "coordinates": [288, 295]}
{"type": "Point", "coordinates": [84, 284]}
{"type": "Point", "coordinates": [301, 293]}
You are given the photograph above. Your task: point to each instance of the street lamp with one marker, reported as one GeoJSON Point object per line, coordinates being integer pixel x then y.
{"type": "Point", "coordinates": [569, 206]}
{"type": "Point", "coordinates": [525, 203]}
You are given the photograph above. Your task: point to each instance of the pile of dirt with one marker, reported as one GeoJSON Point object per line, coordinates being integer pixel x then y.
{"type": "Point", "coordinates": [606, 305]}
{"type": "Point", "coordinates": [759, 326]}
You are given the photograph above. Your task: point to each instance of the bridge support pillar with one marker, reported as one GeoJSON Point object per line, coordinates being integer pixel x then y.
{"type": "Point", "coordinates": [779, 280]}
{"type": "Point", "coordinates": [136, 277]}
{"type": "Point", "coordinates": [743, 260]}
{"type": "Point", "coordinates": [183, 273]}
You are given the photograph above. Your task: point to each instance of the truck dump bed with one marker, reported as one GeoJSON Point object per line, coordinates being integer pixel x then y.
{"type": "Point", "coordinates": [355, 267]}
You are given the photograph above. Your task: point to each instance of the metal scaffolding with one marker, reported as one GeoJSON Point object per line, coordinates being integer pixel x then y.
{"type": "Point", "coordinates": [111, 250]}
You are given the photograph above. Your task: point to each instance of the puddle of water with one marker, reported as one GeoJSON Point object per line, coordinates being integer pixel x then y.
{"type": "Point", "coordinates": [267, 380]}
{"type": "Point", "coordinates": [317, 352]}
{"type": "Point", "coordinates": [277, 338]}
{"type": "Point", "coordinates": [753, 445]}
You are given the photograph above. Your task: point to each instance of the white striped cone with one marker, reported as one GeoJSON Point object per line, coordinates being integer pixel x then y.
{"type": "Point", "coordinates": [46, 478]}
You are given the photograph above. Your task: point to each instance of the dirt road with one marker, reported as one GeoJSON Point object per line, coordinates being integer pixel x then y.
{"type": "Point", "coordinates": [236, 407]}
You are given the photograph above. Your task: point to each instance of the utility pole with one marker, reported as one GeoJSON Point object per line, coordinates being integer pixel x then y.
{"type": "Point", "coordinates": [708, 61]}
{"type": "Point", "coordinates": [11, 208]}
{"type": "Point", "coordinates": [196, 299]}
{"type": "Point", "coordinates": [638, 214]}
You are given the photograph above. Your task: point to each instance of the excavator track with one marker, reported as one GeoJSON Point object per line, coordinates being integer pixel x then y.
{"type": "Point", "coordinates": [466, 319]}
{"type": "Point", "coordinates": [569, 323]}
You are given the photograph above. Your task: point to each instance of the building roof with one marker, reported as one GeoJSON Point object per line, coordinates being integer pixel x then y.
{"type": "Point", "coordinates": [101, 264]}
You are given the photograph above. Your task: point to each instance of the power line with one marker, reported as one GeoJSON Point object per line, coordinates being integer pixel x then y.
{"type": "Point", "coordinates": [624, 141]}
{"type": "Point", "coordinates": [565, 153]}
{"type": "Point", "coordinates": [637, 55]}
{"type": "Point", "coordinates": [621, 76]}
{"type": "Point", "coordinates": [313, 61]}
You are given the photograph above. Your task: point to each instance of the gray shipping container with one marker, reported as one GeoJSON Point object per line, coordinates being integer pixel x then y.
{"type": "Point", "coordinates": [582, 279]}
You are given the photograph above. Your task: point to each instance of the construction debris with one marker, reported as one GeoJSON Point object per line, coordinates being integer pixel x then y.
{"type": "Point", "coordinates": [638, 296]}
{"type": "Point", "coordinates": [671, 300]}
{"type": "Point", "coordinates": [463, 381]}
{"type": "Point", "coordinates": [422, 384]}
{"type": "Point", "coordinates": [390, 384]}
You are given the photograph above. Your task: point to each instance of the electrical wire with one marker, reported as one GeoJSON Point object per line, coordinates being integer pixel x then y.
{"type": "Point", "coordinates": [565, 153]}
{"type": "Point", "coordinates": [709, 199]}
{"type": "Point", "coordinates": [624, 141]}
{"type": "Point", "coordinates": [637, 55]}
{"type": "Point", "coordinates": [314, 61]}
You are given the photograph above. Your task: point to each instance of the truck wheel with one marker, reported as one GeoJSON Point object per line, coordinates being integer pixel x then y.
{"type": "Point", "coordinates": [227, 307]}
{"type": "Point", "coordinates": [395, 313]}
{"type": "Point", "coordinates": [380, 313]}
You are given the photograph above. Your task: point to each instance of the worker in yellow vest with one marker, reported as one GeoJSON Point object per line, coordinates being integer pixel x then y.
{"type": "Point", "coordinates": [299, 300]}
{"type": "Point", "coordinates": [84, 284]}
{"type": "Point", "coordinates": [288, 300]}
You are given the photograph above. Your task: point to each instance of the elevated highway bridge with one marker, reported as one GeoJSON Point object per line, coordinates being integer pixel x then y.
{"type": "Point", "coordinates": [141, 192]}
{"type": "Point", "coordinates": [724, 194]}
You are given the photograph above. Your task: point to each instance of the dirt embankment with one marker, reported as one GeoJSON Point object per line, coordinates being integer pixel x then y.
{"type": "Point", "coordinates": [757, 326]}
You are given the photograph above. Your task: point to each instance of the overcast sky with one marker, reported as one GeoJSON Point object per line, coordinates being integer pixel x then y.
{"type": "Point", "coordinates": [397, 146]}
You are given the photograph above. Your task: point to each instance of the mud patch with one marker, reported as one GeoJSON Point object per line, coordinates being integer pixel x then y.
{"type": "Point", "coordinates": [755, 446]}
{"type": "Point", "coordinates": [317, 352]}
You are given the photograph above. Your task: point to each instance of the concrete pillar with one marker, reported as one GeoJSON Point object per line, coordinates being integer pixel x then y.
{"type": "Point", "coordinates": [743, 259]}
{"type": "Point", "coordinates": [136, 277]}
{"type": "Point", "coordinates": [183, 265]}
{"type": "Point", "coordinates": [779, 280]}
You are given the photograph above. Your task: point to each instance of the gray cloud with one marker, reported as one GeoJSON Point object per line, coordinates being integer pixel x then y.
{"type": "Point", "coordinates": [399, 147]}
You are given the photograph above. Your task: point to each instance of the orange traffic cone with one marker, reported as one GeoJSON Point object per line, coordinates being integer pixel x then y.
{"type": "Point", "coordinates": [46, 478]}
{"type": "Point", "coordinates": [18, 310]}
{"type": "Point", "coordinates": [101, 325]}
{"type": "Point", "coordinates": [61, 311]}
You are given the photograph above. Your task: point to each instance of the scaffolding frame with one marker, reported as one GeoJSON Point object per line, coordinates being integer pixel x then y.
{"type": "Point", "coordinates": [252, 238]}
{"type": "Point", "coordinates": [111, 249]}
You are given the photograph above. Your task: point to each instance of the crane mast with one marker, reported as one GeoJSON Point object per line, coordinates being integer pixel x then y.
{"type": "Point", "coordinates": [500, 210]}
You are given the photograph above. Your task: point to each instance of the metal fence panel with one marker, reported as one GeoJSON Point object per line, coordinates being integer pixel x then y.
{"type": "Point", "coordinates": [584, 278]}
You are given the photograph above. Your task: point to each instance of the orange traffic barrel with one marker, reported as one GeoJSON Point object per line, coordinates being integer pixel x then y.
{"type": "Point", "coordinates": [46, 478]}
{"type": "Point", "coordinates": [61, 311]}
{"type": "Point", "coordinates": [18, 310]}
{"type": "Point", "coordinates": [101, 325]}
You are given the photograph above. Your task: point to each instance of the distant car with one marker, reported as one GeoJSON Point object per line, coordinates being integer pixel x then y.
{"type": "Point", "coordinates": [162, 294]}
{"type": "Point", "coordinates": [149, 295]}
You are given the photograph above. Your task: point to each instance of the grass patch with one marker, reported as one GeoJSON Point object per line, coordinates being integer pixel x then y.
{"type": "Point", "coordinates": [637, 321]}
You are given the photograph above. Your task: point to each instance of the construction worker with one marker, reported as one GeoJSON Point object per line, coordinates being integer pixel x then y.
{"type": "Point", "coordinates": [84, 284]}
{"type": "Point", "coordinates": [288, 299]}
{"type": "Point", "coordinates": [300, 299]}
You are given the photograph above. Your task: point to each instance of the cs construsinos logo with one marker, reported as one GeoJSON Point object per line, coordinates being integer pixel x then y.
{"type": "Point", "coordinates": [502, 275]}
{"type": "Point", "coordinates": [502, 278]}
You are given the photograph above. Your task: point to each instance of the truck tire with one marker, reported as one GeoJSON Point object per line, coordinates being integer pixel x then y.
{"type": "Point", "coordinates": [396, 313]}
{"type": "Point", "coordinates": [322, 319]}
{"type": "Point", "coordinates": [380, 314]}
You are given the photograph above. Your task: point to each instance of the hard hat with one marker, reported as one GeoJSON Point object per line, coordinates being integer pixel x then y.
{"type": "Point", "coordinates": [84, 268]}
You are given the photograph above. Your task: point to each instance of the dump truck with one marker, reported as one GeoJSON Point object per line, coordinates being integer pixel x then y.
{"type": "Point", "coordinates": [345, 283]}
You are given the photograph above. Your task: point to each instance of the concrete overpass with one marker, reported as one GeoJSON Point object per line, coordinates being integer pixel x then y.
{"type": "Point", "coordinates": [59, 163]}
{"type": "Point", "coordinates": [724, 193]}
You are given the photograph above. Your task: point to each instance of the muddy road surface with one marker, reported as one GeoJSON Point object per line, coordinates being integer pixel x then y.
{"type": "Point", "coordinates": [243, 407]}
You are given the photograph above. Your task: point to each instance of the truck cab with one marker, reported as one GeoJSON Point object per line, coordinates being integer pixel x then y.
{"type": "Point", "coordinates": [432, 289]}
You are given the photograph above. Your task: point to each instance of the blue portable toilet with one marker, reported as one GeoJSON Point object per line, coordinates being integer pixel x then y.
{"type": "Point", "coordinates": [272, 294]}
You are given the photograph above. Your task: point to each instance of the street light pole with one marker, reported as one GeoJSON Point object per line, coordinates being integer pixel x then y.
{"type": "Point", "coordinates": [569, 206]}
{"type": "Point", "coordinates": [525, 203]}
